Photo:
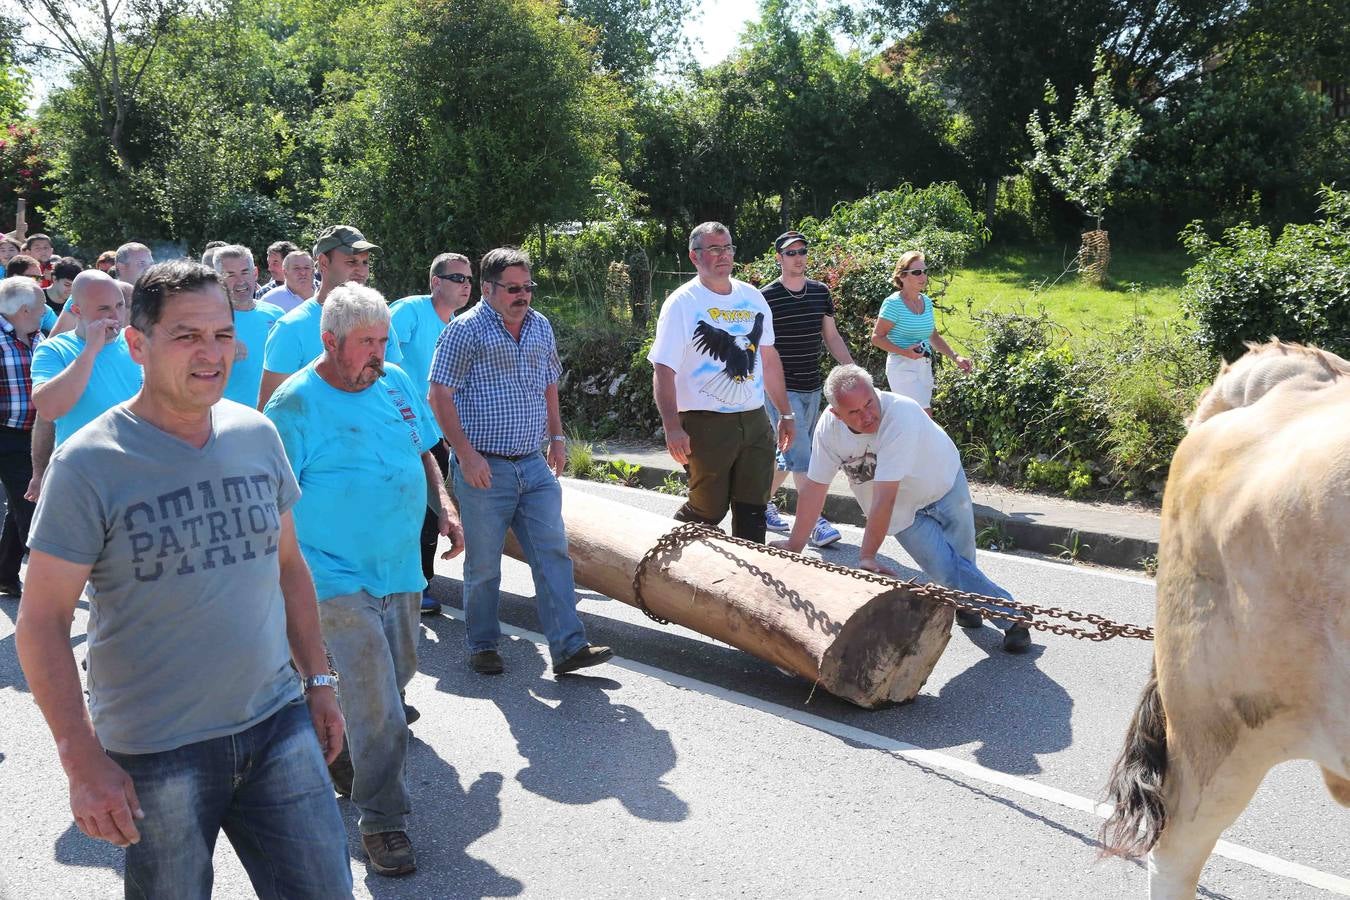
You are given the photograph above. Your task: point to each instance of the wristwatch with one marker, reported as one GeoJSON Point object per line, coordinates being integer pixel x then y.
{"type": "Point", "coordinates": [329, 679]}
{"type": "Point", "coordinates": [789, 416]}
{"type": "Point", "coordinates": [559, 437]}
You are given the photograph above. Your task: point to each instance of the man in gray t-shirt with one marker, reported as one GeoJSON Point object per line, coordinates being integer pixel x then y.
{"type": "Point", "coordinates": [176, 507]}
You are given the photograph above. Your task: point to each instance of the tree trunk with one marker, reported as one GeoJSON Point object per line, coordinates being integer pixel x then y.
{"type": "Point", "coordinates": [990, 199]}
{"type": "Point", "coordinates": [865, 642]}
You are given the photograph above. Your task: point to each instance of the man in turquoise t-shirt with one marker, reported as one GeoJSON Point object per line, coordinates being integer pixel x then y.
{"type": "Point", "coordinates": [79, 375]}
{"type": "Point", "coordinates": [356, 434]}
{"type": "Point", "coordinates": [343, 255]}
{"type": "Point", "coordinates": [253, 319]}
{"type": "Point", "coordinates": [419, 321]}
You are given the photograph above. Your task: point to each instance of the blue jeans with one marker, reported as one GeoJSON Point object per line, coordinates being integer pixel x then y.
{"type": "Point", "coordinates": [266, 787]}
{"type": "Point", "coordinates": [942, 541]}
{"type": "Point", "coordinates": [806, 406]}
{"type": "Point", "coordinates": [525, 497]}
{"type": "Point", "coordinates": [374, 645]}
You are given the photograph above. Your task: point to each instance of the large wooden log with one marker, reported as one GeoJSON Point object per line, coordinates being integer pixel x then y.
{"type": "Point", "coordinates": [868, 643]}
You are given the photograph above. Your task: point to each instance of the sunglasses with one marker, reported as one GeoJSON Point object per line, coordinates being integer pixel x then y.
{"type": "Point", "coordinates": [801, 252]}
{"type": "Point", "coordinates": [513, 289]}
{"type": "Point", "coordinates": [914, 272]}
{"type": "Point", "coordinates": [457, 278]}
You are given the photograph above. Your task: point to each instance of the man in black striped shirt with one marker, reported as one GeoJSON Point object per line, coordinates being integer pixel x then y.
{"type": "Point", "coordinates": [803, 321]}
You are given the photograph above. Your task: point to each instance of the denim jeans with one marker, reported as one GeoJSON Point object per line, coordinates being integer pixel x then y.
{"type": "Point", "coordinates": [266, 787]}
{"type": "Point", "coordinates": [374, 645]}
{"type": "Point", "coordinates": [525, 497]}
{"type": "Point", "coordinates": [942, 541]}
{"type": "Point", "coordinates": [806, 406]}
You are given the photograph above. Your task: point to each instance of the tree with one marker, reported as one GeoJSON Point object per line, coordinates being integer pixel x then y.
{"type": "Point", "coordinates": [991, 56]}
{"type": "Point", "coordinates": [634, 36]}
{"type": "Point", "coordinates": [1082, 156]}
{"type": "Point", "coordinates": [112, 45]}
{"type": "Point", "coordinates": [428, 155]}
{"type": "Point", "coordinates": [13, 79]}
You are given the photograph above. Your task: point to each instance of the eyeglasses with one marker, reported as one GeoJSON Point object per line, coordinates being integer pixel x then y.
{"type": "Point", "coordinates": [457, 278]}
{"type": "Point", "coordinates": [801, 252]}
{"type": "Point", "coordinates": [513, 289]}
{"type": "Point", "coordinates": [720, 250]}
{"type": "Point", "coordinates": [914, 272]}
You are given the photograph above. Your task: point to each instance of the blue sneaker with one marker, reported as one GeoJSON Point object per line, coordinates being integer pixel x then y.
{"type": "Point", "coordinates": [430, 605]}
{"type": "Point", "coordinates": [774, 521]}
{"type": "Point", "coordinates": [824, 534]}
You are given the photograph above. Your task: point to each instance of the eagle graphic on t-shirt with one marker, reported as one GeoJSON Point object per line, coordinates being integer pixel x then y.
{"type": "Point", "coordinates": [734, 385]}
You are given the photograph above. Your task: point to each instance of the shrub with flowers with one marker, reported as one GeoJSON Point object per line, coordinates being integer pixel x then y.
{"type": "Point", "coordinates": [24, 172]}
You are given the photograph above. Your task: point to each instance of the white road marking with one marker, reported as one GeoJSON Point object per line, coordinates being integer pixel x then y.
{"type": "Point", "coordinates": [1267, 862]}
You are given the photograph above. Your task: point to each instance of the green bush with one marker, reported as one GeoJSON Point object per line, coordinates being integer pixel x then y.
{"type": "Point", "coordinates": [1105, 414]}
{"type": "Point", "coordinates": [855, 249]}
{"type": "Point", "coordinates": [1249, 285]}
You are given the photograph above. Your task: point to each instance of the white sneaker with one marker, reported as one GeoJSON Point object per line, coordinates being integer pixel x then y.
{"type": "Point", "coordinates": [824, 534]}
{"type": "Point", "coordinates": [774, 521]}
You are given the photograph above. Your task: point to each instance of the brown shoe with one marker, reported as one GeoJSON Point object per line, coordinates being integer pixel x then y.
{"type": "Point", "coordinates": [587, 656]}
{"type": "Point", "coordinates": [390, 853]}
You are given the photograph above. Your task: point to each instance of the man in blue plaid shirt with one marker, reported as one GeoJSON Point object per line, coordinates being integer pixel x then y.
{"type": "Point", "coordinates": [494, 390]}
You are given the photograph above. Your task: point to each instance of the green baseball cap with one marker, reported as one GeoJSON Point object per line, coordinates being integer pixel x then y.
{"type": "Point", "coordinates": [342, 237]}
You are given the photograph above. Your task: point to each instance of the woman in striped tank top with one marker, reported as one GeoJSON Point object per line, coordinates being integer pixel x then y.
{"type": "Point", "coordinates": [906, 331]}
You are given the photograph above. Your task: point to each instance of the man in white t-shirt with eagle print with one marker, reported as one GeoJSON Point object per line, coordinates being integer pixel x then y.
{"type": "Point", "coordinates": [713, 362]}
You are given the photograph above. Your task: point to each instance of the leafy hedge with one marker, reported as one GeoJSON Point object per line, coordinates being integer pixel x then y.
{"type": "Point", "coordinates": [1105, 415]}
{"type": "Point", "coordinates": [855, 249]}
{"type": "Point", "coordinates": [1249, 285]}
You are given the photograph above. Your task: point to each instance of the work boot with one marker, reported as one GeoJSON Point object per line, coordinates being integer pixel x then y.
{"type": "Point", "coordinates": [588, 655]}
{"type": "Point", "coordinates": [747, 521]}
{"type": "Point", "coordinates": [1017, 639]}
{"type": "Point", "coordinates": [967, 618]}
{"type": "Point", "coordinates": [390, 853]}
{"type": "Point", "coordinates": [487, 662]}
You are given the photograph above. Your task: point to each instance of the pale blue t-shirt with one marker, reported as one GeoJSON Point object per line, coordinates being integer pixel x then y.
{"type": "Point", "coordinates": [283, 297]}
{"type": "Point", "coordinates": [295, 340]}
{"type": "Point", "coordinates": [251, 327]}
{"type": "Point", "coordinates": [358, 459]}
{"type": "Point", "coordinates": [909, 329]}
{"type": "Point", "coordinates": [115, 378]}
{"type": "Point", "coordinates": [419, 327]}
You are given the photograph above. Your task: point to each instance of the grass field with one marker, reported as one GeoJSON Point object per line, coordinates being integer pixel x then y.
{"type": "Point", "coordinates": [1143, 283]}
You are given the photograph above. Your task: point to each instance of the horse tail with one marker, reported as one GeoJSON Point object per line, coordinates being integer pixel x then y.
{"type": "Point", "coordinates": [1136, 784]}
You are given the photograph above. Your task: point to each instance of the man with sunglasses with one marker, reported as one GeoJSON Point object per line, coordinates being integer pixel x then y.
{"type": "Point", "coordinates": [494, 389]}
{"type": "Point", "coordinates": [419, 321]}
{"type": "Point", "coordinates": [713, 362]}
{"type": "Point", "coordinates": [803, 321]}
{"type": "Point", "coordinates": [343, 255]}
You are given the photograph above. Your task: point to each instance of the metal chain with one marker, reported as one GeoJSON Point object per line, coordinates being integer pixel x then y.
{"type": "Point", "coordinates": [1030, 614]}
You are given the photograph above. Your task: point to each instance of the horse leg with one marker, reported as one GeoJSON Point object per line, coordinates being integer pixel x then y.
{"type": "Point", "coordinates": [1197, 814]}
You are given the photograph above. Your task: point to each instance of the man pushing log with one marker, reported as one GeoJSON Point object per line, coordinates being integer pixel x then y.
{"type": "Point", "coordinates": [907, 476]}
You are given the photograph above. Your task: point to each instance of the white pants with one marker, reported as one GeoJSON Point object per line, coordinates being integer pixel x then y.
{"type": "Point", "coordinates": [912, 378]}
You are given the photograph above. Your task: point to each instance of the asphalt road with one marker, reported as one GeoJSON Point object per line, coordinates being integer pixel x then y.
{"type": "Point", "coordinates": [690, 769]}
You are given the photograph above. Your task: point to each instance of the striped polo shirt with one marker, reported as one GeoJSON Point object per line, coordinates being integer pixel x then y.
{"type": "Point", "coordinates": [797, 322]}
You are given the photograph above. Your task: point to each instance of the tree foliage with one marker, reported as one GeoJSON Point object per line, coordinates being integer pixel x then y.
{"type": "Point", "coordinates": [1082, 155]}
{"type": "Point", "coordinates": [1250, 285]}
{"type": "Point", "coordinates": [511, 133]}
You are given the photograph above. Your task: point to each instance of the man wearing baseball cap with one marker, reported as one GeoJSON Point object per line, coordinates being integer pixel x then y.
{"type": "Point", "coordinates": [342, 255]}
{"type": "Point", "coordinates": [803, 320]}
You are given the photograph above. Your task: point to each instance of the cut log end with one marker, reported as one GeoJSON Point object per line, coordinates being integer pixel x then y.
{"type": "Point", "coordinates": [887, 649]}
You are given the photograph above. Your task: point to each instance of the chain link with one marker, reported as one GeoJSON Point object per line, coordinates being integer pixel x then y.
{"type": "Point", "coordinates": [1029, 614]}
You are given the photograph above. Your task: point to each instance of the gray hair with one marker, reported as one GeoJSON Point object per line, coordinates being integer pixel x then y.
{"type": "Point", "coordinates": [124, 252]}
{"type": "Point", "coordinates": [705, 228]}
{"type": "Point", "coordinates": [231, 251]}
{"type": "Point", "coordinates": [16, 292]}
{"type": "Point", "coordinates": [351, 306]}
{"type": "Point", "coordinates": [845, 378]}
